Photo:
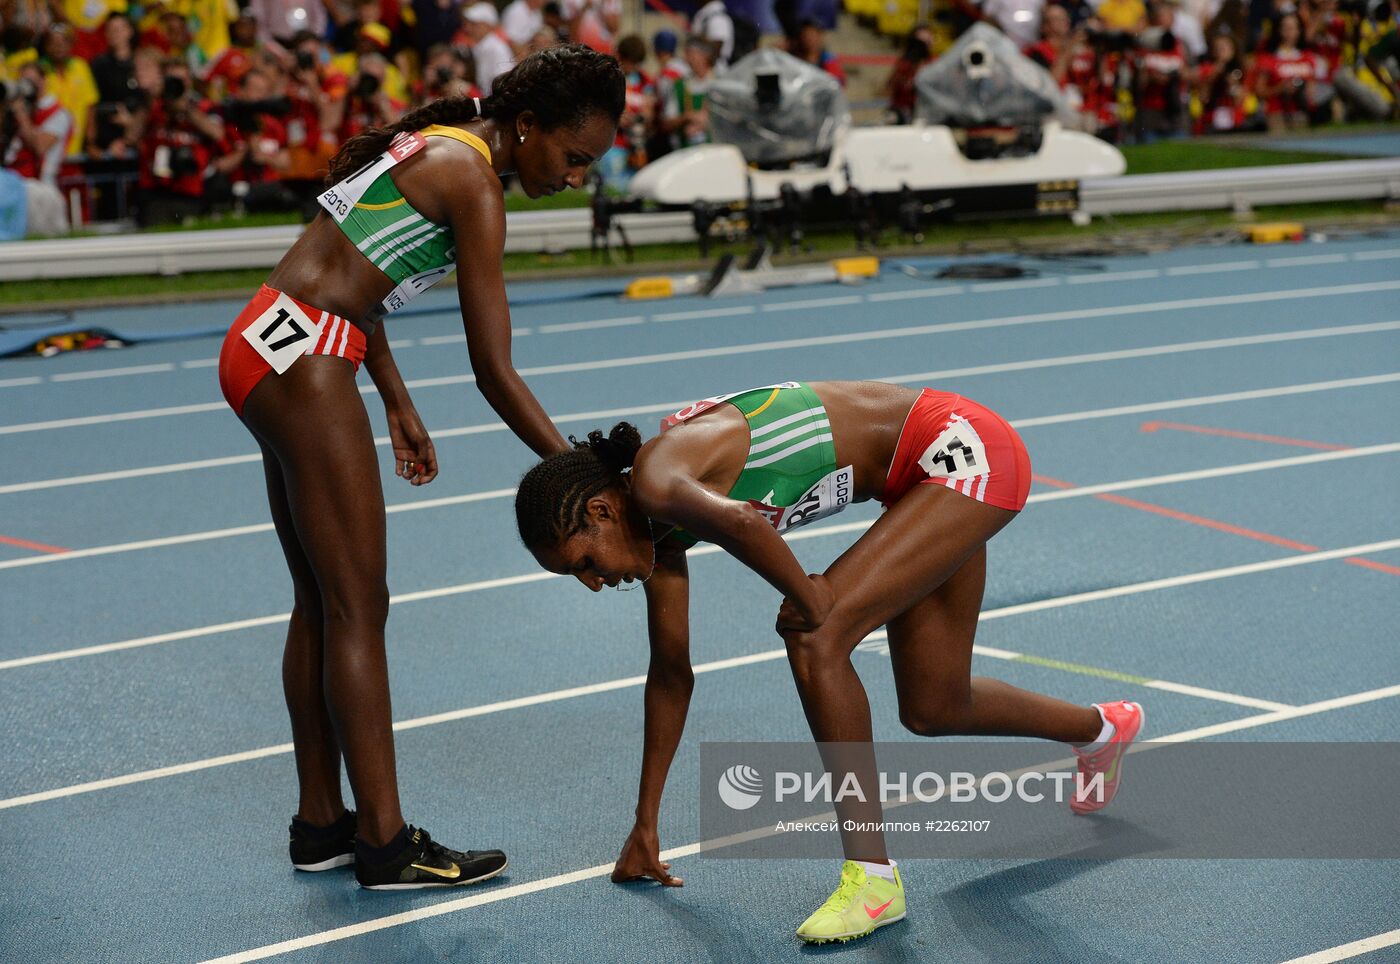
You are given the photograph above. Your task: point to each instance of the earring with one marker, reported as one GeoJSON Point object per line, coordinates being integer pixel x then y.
{"type": "Point", "coordinates": [522, 138]}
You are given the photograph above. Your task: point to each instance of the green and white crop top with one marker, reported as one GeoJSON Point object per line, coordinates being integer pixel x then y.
{"type": "Point", "coordinates": [412, 251]}
{"type": "Point", "coordinates": [790, 475]}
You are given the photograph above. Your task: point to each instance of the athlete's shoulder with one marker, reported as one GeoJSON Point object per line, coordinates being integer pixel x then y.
{"type": "Point", "coordinates": [454, 180]}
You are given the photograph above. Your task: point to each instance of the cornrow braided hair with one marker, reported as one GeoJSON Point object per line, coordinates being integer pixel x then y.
{"type": "Point", "coordinates": [562, 86]}
{"type": "Point", "coordinates": [551, 503]}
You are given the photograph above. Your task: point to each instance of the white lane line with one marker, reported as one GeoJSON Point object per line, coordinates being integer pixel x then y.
{"type": "Point", "coordinates": [602, 414]}
{"type": "Point", "coordinates": [1080, 492]}
{"type": "Point", "coordinates": [210, 535]}
{"type": "Point", "coordinates": [380, 441]}
{"type": "Point", "coordinates": [814, 303]}
{"type": "Point", "coordinates": [1112, 276]}
{"type": "Point", "coordinates": [1155, 350]}
{"type": "Point", "coordinates": [130, 473]}
{"type": "Point", "coordinates": [1220, 399]}
{"type": "Point", "coordinates": [1210, 575]}
{"type": "Point", "coordinates": [1345, 952]}
{"type": "Point", "coordinates": [1212, 268]}
{"type": "Point", "coordinates": [915, 293]}
{"type": "Point", "coordinates": [112, 417]}
{"type": "Point", "coordinates": [113, 372]}
{"type": "Point", "coordinates": [855, 337]}
{"type": "Point", "coordinates": [590, 325]}
{"type": "Point", "coordinates": [810, 342]}
{"type": "Point", "coordinates": [574, 692]}
{"type": "Point", "coordinates": [459, 339]}
{"type": "Point", "coordinates": [1089, 279]}
{"type": "Point", "coordinates": [705, 313]}
{"type": "Point", "coordinates": [819, 532]}
{"type": "Point", "coordinates": [1013, 285]}
{"type": "Point", "coordinates": [490, 896]}
{"type": "Point", "coordinates": [1278, 716]}
{"type": "Point", "coordinates": [563, 880]}
{"type": "Point", "coordinates": [1224, 470]}
{"type": "Point", "coordinates": [1306, 259]}
{"type": "Point", "coordinates": [881, 335]}
{"type": "Point", "coordinates": [1217, 695]}
{"type": "Point", "coordinates": [197, 633]}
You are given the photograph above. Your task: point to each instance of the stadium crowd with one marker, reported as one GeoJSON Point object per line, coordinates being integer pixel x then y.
{"type": "Point", "coordinates": [206, 104]}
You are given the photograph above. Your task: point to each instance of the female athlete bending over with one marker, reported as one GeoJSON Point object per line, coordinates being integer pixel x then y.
{"type": "Point", "coordinates": [407, 204]}
{"type": "Point", "coordinates": [737, 470]}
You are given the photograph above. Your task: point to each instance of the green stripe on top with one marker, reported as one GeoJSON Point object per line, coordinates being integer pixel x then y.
{"type": "Point", "coordinates": [790, 447]}
{"type": "Point", "coordinates": [790, 444]}
{"type": "Point", "coordinates": [396, 238]}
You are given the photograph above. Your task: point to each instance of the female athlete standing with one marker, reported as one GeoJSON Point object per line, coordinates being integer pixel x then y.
{"type": "Point", "coordinates": [737, 470]}
{"type": "Point", "coordinates": [408, 203]}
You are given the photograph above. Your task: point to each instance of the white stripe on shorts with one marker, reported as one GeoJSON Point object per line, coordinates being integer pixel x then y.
{"type": "Point", "coordinates": [326, 348]}
{"type": "Point", "coordinates": [311, 348]}
{"type": "Point", "coordinates": [344, 337]}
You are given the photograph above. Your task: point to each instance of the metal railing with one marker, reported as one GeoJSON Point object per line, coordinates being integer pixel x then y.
{"type": "Point", "coordinates": [556, 231]}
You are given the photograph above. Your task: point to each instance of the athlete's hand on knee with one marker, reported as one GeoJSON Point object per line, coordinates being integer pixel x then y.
{"type": "Point", "coordinates": [641, 860]}
{"type": "Point", "coordinates": [415, 458]}
{"type": "Point", "coordinates": [808, 614]}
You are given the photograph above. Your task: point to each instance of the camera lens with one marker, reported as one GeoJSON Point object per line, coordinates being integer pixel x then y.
{"type": "Point", "coordinates": [367, 86]}
{"type": "Point", "coordinates": [174, 88]}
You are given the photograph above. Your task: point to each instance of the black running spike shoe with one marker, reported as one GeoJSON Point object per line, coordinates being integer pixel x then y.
{"type": "Point", "coordinates": [323, 848]}
{"type": "Point", "coordinates": [424, 863]}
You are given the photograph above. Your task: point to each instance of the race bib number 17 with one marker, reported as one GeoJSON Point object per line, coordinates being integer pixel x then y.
{"type": "Point", "coordinates": [282, 333]}
{"type": "Point", "coordinates": [957, 453]}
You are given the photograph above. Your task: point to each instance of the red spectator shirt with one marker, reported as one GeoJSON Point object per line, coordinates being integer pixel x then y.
{"type": "Point", "coordinates": [1154, 92]}
{"type": "Point", "coordinates": [1288, 69]}
{"type": "Point", "coordinates": [163, 138]}
{"type": "Point", "coordinates": [1081, 75]}
{"type": "Point", "coordinates": [270, 137]}
{"type": "Point", "coordinates": [47, 115]}
{"type": "Point", "coordinates": [228, 68]}
{"type": "Point", "coordinates": [1220, 110]}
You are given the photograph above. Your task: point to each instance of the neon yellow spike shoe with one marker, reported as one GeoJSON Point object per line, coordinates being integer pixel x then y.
{"type": "Point", "coordinates": [860, 905]}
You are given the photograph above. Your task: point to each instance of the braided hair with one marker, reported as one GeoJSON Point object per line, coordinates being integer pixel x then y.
{"type": "Point", "coordinates": [552, 501]}
{"type": "Point", "coordinates": [563, 86]}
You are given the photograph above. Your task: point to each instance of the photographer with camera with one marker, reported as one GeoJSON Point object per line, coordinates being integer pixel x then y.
{"type": "Point", "coordinates": [316, 91]}
{"type": "Point", "coordinates": [367, 103]}
{"type": "Point", "coordinates": [375, 40]}
{"type": "Point", "coordinates": [182, 169]}
{"type": "Point", "coordinates": [1159, 69]}
{"type": "Point", "coordinates": [447, 72]}
{"type": "Point", "coordinates": [256, 137]}
{"type": "Point", "coordinates": [1065, 52]}
{"type": "Point", "coordinates": [1221, 94]}
{"type": "Point", "coordinates": [35, 127]}
{"type": "Point", "coordinates": [1286, 76]}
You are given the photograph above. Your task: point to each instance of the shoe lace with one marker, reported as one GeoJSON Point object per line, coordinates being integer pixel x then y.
{"type": "Point", "coordinates": [844, 894]}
